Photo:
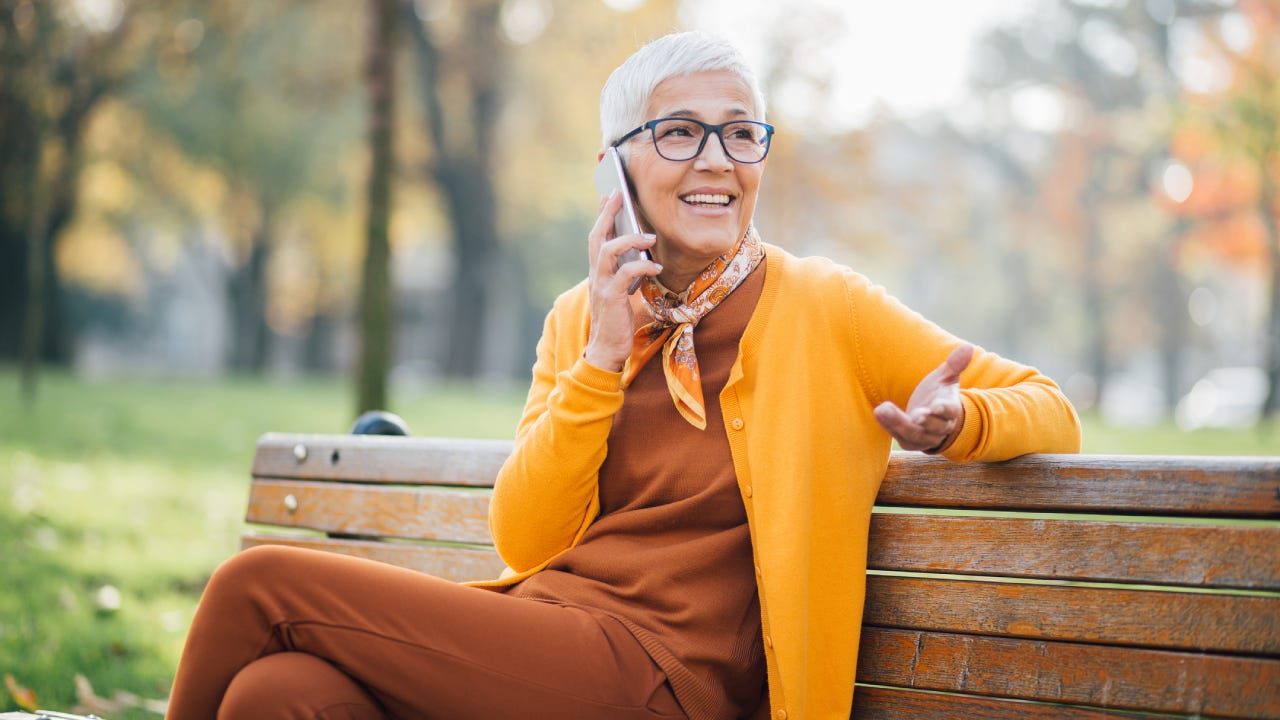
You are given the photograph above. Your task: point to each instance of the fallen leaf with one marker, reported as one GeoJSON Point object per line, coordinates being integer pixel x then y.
{"type": "Point", "coordinates": [25, 697]}
{"type": "Point", "coordinates": [91, 703]}
{"type": "Point", "coordinates": [88, 702]}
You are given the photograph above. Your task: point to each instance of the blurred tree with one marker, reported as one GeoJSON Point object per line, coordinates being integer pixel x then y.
{"type": "Point", "coordinates": [460, 61]}
{"type": "Point", "coordinates": [1241, 167]}
{"type": "Point", "coordinates": [1252, 123]}
{"type": "Point", "coordinates": [504, 120]}
{"type": "Point", "coordinates": [259, 92]}
{"type": "Point", "coordinates": [59, 63]}
{"type": "Point", "coordinates": [1099, 78]}
{"type": "Point", "coordinates": [548, 137]}
{"type": "Point", "coordinates": [376, 322]}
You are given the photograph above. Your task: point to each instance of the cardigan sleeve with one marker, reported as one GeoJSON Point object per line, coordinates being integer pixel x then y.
{"type": "Point", "coordinates": [546, 495]}
{"type": "Point", "coordinates": [1010, 409]}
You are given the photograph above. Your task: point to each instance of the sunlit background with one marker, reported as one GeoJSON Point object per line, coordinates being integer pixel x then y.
{"type": "Point", "coordinates": [1085, 185]}
{"type": "Point", "coordinates": [189, 191]}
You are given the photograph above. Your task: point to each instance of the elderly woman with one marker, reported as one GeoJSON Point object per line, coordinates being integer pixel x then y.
{"type": "Point", "coordinates": [685, 512]}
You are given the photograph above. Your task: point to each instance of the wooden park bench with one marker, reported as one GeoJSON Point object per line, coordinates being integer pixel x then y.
{"type": "Point", "coordinates": [1051, 586]}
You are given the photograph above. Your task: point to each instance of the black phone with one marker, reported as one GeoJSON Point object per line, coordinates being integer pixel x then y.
{"type": "Point", "coordinates": [610, 176]}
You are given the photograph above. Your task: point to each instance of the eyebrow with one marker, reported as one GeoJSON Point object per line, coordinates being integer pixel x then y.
{"type": "Point", "coordinates": [736, 112]}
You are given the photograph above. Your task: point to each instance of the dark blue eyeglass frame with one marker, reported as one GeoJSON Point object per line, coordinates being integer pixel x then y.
{"type": "Point", "coordinates": [708, 131]}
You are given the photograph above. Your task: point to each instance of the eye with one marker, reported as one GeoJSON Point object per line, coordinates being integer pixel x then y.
{"type": "Point", "coordinates": [677, 130]}
{"type": "Point", "coordinates": [745, 133]}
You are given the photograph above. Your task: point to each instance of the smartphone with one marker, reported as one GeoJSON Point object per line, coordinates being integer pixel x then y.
{"type": "Point", "coordinates": [610, 176]}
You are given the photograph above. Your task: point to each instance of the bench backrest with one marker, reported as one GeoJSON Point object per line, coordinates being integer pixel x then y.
{"type": "Point", "coordinates": [1044, 587]}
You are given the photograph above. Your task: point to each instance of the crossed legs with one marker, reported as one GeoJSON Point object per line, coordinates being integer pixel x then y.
{"type": "Point", "coordinates": [299, 634]}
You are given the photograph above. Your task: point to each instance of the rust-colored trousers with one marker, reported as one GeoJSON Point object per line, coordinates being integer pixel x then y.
{"type": "Point", "coordinates": [289, 633]}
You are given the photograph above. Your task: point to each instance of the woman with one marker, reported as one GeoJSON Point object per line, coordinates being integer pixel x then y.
{"type": "Point", "coordinates": [685, 511]}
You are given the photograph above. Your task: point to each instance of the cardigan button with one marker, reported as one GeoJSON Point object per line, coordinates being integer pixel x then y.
{"type": "Point", "coordinates": [782, 715]}
{"type": "Point", "coordinates": [768, 642]}
{"type": "Point", "coordinates": [737, 424]}
{"type": "Point", "coordinates": [746, 490]}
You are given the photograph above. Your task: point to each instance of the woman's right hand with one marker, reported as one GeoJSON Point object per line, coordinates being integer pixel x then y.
{"type": "Point", "coordinates": [612, 323]}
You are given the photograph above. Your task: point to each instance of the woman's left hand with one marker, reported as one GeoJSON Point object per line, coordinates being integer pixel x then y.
{"type": "Point", "coordinates": [934, 414]}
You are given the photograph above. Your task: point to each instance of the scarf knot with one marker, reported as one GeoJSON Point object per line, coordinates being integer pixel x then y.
{"type": "Point", "coordinates": [676, 316]}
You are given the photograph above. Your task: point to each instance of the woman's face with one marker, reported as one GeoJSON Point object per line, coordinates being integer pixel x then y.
{"type": "Point", "coordinates": [698, 208]}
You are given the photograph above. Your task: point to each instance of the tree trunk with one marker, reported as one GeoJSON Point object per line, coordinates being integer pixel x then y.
{"type": "Point", "coordinates": [462, 137]}
{"type": "Point", "coordinates": [317, 347]}
{"type": "Point", "coordinates": [247, 296]}
{"type": "Point", "coordinates": [34, 314]}
{"type": "Point", "coordinates": [376, 322]}
{"type": "Point", "coordinates": [1095, 316]}
{"type": "Point", "coordinates": [1267, 201]}
{"type": "Point", "coordinates": [15, 249]}
{"type": "Point", "coordinates": [1169, 303]}
{"type": "Point", "coordinates": [470, 194]}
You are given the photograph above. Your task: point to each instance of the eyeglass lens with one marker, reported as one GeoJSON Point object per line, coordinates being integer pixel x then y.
{"type": "Point", "coordinates": [679, 139]}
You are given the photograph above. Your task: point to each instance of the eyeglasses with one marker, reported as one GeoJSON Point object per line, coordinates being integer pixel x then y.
{"type": "Point", "coordinates": [679, 139]}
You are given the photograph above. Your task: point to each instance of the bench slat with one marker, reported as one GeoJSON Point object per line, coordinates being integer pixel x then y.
{"type": "Point", "coordinates": [374, 458]}
{"type": "Point", "coordinates": [1073, 673]}
{"type": "Point", "coordinates": [458, 564]}
{"type": "Point", "coordinates": [1221, 486]}
{"type": "Point", "coordinates": [881, 703]}
{"type": "Point", "coordinates": [1245, 557]}
{"type": "Point", "coordinates": [1136, 484]}
{"type": "Point", "coordinates": [1169, 620]}
{"type": "Point", "coordinates": [419, 512]}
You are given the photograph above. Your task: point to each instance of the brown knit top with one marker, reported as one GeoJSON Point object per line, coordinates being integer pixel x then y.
{"type": "Point", "coordinates": [670, 553]}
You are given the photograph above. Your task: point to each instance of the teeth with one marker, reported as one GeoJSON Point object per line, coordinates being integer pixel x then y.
{"type": "Point", "coordinates": [702, 199]}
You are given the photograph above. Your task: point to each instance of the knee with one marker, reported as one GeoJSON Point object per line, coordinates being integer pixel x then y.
{"type": "Point", "coordinates": [248, 566]}
{"type": "Point", "coordinates": [296, 686]}
{"type": "Point", "coordinates": [243, 574]}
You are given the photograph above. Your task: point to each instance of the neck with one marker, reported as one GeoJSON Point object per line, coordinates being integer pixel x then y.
{"type": "Point", "coordinates": [677, 282]}
{"type": "Point", "coordinates": [679, 271]}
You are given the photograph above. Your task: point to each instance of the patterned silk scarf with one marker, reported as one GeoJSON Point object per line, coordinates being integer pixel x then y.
{"type": "Point", "coordinates": [675, 317]}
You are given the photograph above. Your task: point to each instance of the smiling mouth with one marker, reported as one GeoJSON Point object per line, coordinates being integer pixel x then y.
{"type": "Point", "coordinates": [705, 200]}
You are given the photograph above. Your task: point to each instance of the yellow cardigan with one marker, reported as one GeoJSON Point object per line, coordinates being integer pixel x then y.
{"type": "Point", "coordinates": [821, 350]}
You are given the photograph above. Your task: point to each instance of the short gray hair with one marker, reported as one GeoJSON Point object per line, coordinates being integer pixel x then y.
{"type": "Point", "coordinates": [627, 91]}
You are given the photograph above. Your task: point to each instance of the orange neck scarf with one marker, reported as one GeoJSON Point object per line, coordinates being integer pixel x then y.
{"type": "Point", "coordinates": [675, 317]}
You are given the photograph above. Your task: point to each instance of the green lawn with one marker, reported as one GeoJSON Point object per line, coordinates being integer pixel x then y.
{"type": "Point", "coordinates": [117, 499]}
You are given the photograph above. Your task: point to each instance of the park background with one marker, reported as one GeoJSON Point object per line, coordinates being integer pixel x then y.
{"type": "Point", "coordinates": [221, 217]}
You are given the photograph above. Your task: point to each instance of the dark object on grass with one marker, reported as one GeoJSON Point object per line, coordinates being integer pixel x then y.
{"type": "Point", "coordinates": [380, 422]}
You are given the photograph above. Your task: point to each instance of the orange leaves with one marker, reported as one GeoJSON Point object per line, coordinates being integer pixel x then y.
{"type": "Point", "coordinates": [24, 696]}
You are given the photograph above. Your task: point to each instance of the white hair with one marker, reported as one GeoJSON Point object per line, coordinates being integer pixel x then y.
{"type": "Point", "coordinates": [626, 93]}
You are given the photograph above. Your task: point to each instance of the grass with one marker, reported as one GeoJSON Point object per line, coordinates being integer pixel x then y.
{"type": "Point", "coordinates": [118, 498]}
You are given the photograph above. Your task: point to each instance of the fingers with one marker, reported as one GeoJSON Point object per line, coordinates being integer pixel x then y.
{"type": "Point", "coordinates": [956, 363]}
{"type": "Point", "coordinates": [612, 320]}
{"type": "Point", "coordinates": [602, 230]}
{"type": "Point", "coordinates": [922, 428]}
{"type": "Point", "coordinates": [612, 261]}
{"type": "Point", "coordinates": [934, 411]}
{"type": "Point", "coordinates": [615, 262]}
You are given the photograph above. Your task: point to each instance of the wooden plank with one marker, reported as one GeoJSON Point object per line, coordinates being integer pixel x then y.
{"type": "Point", "coordinates": [1223, 486]}
{"type": "Point", "coordinates": [1145, 484]}
{"type": "Point", "coordinates": [1148, 553]}
{"type": "Point", "coordinates": [1074, 674]}
{"type": "Point", "coordinates": [458, 564]}
{"type": "Point", "coordinates": [880, 703]}
{"type": "Point", "coordinates": [376, 458]}
{"type": "Point", "coordinates": [413, 512]}
{"type": "Point", "coordinates": [1112, 616]}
